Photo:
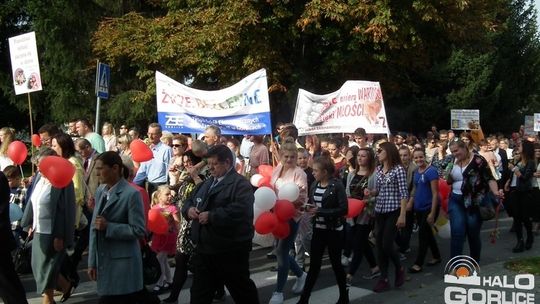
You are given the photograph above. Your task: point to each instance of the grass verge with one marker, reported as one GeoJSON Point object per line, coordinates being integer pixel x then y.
{"type": "Point", "coordinates": [525, 265]}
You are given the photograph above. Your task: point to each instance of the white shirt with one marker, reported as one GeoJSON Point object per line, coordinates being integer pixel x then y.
{"type": "Point", "coordinates": [5, 161]}
{"type": "Point", "coordinates": [41, 201]}
{"type": "Point", "coordinates": [457, 177]}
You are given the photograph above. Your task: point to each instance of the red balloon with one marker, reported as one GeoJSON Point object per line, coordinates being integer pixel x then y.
{"type": "Point", "coordinates": [265, 170]}
{"type": "Point", "coordinates": [266, 223]}
{"type": "Point", "coordinates": [36, 140]}
{"type": "Point", "coordinates": [58, 170]}
{"type": "Point", "coordinates": [444, 188]}
{"type": "Point", "coordinates": [284, 210]}
{"type": "Point", "coordinates": [157, 222]}
{"type": "Point", "coordinates": [264, 181]}
{"type": "Point", "coordinates": [266, 184]}
{"type": "Point", "coordinates": [282, 230]}
{"type": "Point", "coordinates": [355, 207]}
{"type": "Point", "coordinates": [17, 152]}
{"type": "Point", "coordinates": [140, 152]}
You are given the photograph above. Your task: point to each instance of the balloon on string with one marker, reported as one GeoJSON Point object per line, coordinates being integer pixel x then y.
{"type": "Point", "coordinates": [284, 210]}
{"type": "Point", "coordinates": [255, 179]}
{"type": "Point", "coordinates": [265, 198]}
{"type": "Point", "coordinates": [355, 207]}
{"type": "Point", "coordinates": [58, 170]}
{"type": "Point", "coordinates": [289, 191]}
{"type": "Point", "coordinates": [266, 223]}
{"type": "Point", "coordinates": [15, 212]}
{"type": "Point", "coordinates": [140, 152]}
{"type": "Point", "coordinates": [17, 152]}
{"type": "Point", "coordinates": [282, 230]}
{"type": "Point", "coordinates": [36, 140]}
{"type": "Point", "coordinates": [265, 170]}
{"type": "Point", "coordinates": [157, 223]}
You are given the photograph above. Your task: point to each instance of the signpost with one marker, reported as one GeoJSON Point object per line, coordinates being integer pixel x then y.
{"type": "Point", "coordinates": [103, 80]}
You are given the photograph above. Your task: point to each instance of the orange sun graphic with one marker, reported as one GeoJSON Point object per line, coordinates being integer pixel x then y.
{"type": "Point", "coordinates": [462, 272]}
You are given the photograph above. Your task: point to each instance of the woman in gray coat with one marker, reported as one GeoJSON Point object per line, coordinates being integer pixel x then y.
{"type": "Point", "coordinates": [114, 255]}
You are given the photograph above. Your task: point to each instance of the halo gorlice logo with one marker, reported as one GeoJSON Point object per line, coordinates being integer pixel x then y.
{"type": "Point", "coordinates": [464, 270]}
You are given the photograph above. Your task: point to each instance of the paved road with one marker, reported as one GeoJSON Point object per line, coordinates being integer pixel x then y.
{"type": "Point", "coordinates": [425, 287]}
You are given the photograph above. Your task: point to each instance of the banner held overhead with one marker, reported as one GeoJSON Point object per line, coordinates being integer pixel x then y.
{"type": "Point", "coordinates": [357, 104]}
{"type": "Point", "coordinates": [243, 108]}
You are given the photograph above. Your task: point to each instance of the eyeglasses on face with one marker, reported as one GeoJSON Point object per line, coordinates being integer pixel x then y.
{"type": "Point", "coordinates": [176, 146]}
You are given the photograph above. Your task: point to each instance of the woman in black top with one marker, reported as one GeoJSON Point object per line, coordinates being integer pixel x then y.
{"type": "Point", "coordinates": [328, 205]}
{"type": "Point", "coordinates": [521, 196]}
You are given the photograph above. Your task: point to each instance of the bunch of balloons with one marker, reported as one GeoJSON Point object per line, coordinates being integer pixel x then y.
{"type": "Point", "coordinates": [262, 179]}
{"type": "Point", "coordinates": [271, 212]}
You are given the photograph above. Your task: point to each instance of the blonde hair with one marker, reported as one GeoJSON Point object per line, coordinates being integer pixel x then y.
{"type": "Point", "coordinates": [155, 195]}
{"type": "Point", "coordinates": [9, 134]}
{"type": "Point", "coordinates": [288, 145]}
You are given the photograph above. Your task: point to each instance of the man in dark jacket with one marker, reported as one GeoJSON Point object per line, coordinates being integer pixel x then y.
{"type": "Point", "coordinates": [11, 289]}
{"type": "Point", "coordinates": [221, 211]}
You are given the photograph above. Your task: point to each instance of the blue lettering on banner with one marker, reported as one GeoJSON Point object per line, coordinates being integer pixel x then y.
{"type": "Point", "coordinates": [254, 124]}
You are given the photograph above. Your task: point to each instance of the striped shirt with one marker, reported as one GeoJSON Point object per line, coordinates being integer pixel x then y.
{"type": "Point", "coordinates": [320, 222]}
{"type": "Point", "coordinates": [317, 199]}
{"type": "Point", "coordinates": [392, 188]}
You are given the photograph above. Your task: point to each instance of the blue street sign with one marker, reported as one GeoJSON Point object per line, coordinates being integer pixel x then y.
{"type": "Point", "coordinates": [103, 80]}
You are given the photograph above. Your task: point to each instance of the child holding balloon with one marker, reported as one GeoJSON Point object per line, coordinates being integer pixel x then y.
{"type": "Point", "coordinates": [165, 244]}
{"type": "Point", "coordinates": [328, 205]}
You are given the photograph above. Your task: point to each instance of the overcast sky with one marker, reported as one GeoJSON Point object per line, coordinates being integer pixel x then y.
{"type": "Point", "coordinates": [537, 5]}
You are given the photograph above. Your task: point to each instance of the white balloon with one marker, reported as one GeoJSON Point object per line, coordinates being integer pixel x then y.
{"type": "Point", "coordinates": [265, 198]}
{"type": "Point", "coordinates": [289, 191]}
{"type": "Point", "coordinates": [445, 231]}
{"type": "Point", "coordinates": [255, 179]}
{"type": "Point", "coordinates": [256, 213]}
{"type": "Point", "coordinates": [15, 212]}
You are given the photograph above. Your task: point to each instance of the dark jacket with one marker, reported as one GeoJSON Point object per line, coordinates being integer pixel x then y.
{"type": "Point", "coordinates": [6, 236]}
{"type": "Point", "coordinates": [230, 218]}
{"type": "Point", "coordinates": [334, 203]}
{"type": "Point", "coordinates": [524, 181]}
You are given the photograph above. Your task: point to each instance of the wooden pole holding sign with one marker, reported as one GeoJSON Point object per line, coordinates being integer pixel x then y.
{"type": "Point", "coordinates": [31, 131]}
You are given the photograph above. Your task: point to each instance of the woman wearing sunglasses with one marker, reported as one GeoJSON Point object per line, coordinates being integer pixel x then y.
{"type": "Point", "coordinates": [390, 212]}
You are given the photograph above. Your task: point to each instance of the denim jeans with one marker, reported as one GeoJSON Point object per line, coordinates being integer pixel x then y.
{"type": "Point", "coordinates": [284, 259]}
{"type": "Point", "coordinates": [464, 223]}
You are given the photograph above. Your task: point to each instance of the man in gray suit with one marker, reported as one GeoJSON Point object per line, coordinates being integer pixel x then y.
{"type": "Point", "coordinates": [114, 256]}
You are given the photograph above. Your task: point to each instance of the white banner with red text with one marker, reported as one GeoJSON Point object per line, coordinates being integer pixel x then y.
{"type": "Point", "coordinates": [357, 104]}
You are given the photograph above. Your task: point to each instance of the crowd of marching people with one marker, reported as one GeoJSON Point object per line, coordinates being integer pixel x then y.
{"type": "Point", "coordinates": [190, 199]}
